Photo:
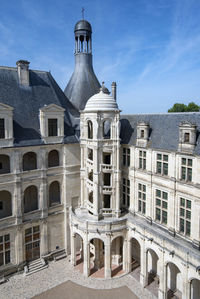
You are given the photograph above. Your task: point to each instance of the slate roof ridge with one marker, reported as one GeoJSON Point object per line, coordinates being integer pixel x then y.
{"type": "Point", "coordinates": [161, 113]}
{"type": "Point", "coordinates": [15, 69]}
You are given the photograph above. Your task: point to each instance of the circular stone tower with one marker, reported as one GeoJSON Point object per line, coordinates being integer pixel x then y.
{"type": "Point", "coordinates": [83, 83]}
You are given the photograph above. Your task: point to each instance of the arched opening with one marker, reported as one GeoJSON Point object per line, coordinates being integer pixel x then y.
{"type": "Point", "coordinates": [194, 289]}
{"type": "Point", "coordinates": [90, 130]}
{"type": "Point", "coordinates": [90, 175]}
{"type": "Point", "coordinates": [5, 204]}
{"type": "Point", "coordinates": [96, 258]}
{"type": "Point", "coordinates": [153, 279]}
{"type": "Point", "coordinates": [117, 256]}
{"type": "Point", "coordinates": [90, 197]}
{"type": "Point", "coordinates": [54, 194]}
{"type": "Point", "coordinates": [53, 158]}
{"type": "Point", "coordinates": [29, 161]}
{"type": "Point", "coordinates": [106, 129]}
{"type": "Point", "coordinates": [30, 199]}
{"type": "Point", "coordinates": [142, 134]}
{"type": "Point", "coordinates": [4, 164]}
{"type": "Point", "coordinates": [78, 247]}
{"type": "Point", "coordinates": [174, 281]}
{"type": "Point", "coordinates": [135, 258]}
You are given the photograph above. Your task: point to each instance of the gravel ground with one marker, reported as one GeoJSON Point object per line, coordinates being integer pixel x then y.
{"type": "Point", "coordinates": [60, 277]}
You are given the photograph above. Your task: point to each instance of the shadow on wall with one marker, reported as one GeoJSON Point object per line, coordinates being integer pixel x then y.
{"type": "Point", "coordinates": [126, 131]}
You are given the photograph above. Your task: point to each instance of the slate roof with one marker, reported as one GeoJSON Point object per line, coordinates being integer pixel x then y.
{"type": "Point", "coordinates": [27, 101]}
{"type": "Point", "coordinates": [164, 129]}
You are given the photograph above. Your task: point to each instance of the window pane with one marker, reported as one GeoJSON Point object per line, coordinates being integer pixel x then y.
{"type": "Point", "coordinates": [182, 225]}
{"type": "Point", "coordinates": [28, 231]}
{"type": "Point", "coordinates": [2, 128]}
{"type": "Point", "coordinates": [183, 161]}
{"type": "Point", "coordinates": [157, 214]}
{"type": "Point", "coordinates": [6, 238]}
{"type": "Point", "coordinates": [158, 202]}
{"type": "Point", "coordinates": [164, 204]}
{"type": "Point", "coordinates": [140, 186]}
{"type": "Point", "coordinates": [164, 217]}
{"type": "Point", "coordinates": [140, 153]}
{"type": "Point", "coordinates": [182, 202]}
{"type": "Point", "coordinates": [165, 157]}
{"type": "Point", "coordinates": [140, 163]}
{"type": "Point", "coordinates": [144, 207]}
{"type": "Point", "coordinates": [165, 168]}
{"type": "Point", "coordinates": [164, 195]}
{"type": "Point", "coordinates": [158, 167]}
{"type": "Point", "coordinates": [7, 257]}
{"type": "Point", "coordinates": [188, 214]}
{"type": "Point", "coordinates": [190, 174]}
{"type": "Point", "coordinates": [187, 228]}
{"type": "Point", "coordinates": [159, 157]}
{"type": "Point", "coordinates": [183, 172]}
{"type": "Point", "coordinates": [158, 193]}
{"type": "Point", "coordinates": [189, 162]}
{"type": "Point", "coordinates": [1, 259]}
{"type": "Point", "coordinates": [140, 206]}
{"type": "Point", "coordinates": [52, 127]}
{"type": "Point", "coordinates": [182, 212]}
{"type": "Point", "coordinates": [144, 154]}
{"type": "Point", "coordinates": [1, 239]}
{"type": "Point", "coordinates": [188, 204]}
{"type": "Point", "coordinates": [144, 163]}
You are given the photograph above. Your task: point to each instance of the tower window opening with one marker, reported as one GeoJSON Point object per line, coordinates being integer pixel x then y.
{"type": "Point", "coordinates": [90, 154]}
{"type": "Point", "coordinates": [106, 158]}
{"type": "Point", "coordinates": [187, 137]}
{"type": "Point", "coordinates": [106, 129]}
{"type": "Point", "coordinates": [142, 133]}
{"type": "Point", "coordinates": [106, 201]}
{"type": "Point", "coordinates": [90, 197]}
{"type": "Point", "coordinates": [90, 176]}
{"type": "Point", "coordinates": [107, 179]}
{"type": "Point", "coordinates": [90, 130]}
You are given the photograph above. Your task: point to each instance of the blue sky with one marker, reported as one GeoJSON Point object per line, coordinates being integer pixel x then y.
{"type": "Point", "coordinates": [151, 48]}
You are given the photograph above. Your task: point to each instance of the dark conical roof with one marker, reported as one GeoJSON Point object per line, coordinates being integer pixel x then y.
{"type": "Point", "coordinates": [83, 25]}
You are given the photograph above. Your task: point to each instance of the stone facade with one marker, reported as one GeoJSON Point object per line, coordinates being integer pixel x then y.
{"type": "Point", "coordinates": [125, 194]}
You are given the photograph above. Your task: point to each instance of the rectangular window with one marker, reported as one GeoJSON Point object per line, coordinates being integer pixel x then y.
{"type": "Point", "coordinates": [162, 164]}
{"type": "Point", "coordinates": [185, 216]}
{"type": "Point", "coordinates": [142, 159]}
{"type": "Point", "coordinates": [126, 156]}
{"type": "Point", "coordinates": [4, 250]}
{"type": "Point", "coordinates": [52, 127]}
{"type": "Point", "coordinates": [186, 169]}
{"type": "Point", "coordinates": [1, 205]}
{"type": "Point", "coordinates": [2, 128]}
{"type": "Point", "coordinates": [126, 192]}
{"type": "Point", "coordinates": [161, 206]}
{"type": "Point", "coordinates": [142, 198]}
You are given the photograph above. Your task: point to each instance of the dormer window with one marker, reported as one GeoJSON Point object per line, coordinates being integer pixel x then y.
{"type": "Point", "coordinates": [2, 128]}
{"type": "Point", "coordinates": [187, 137]}
{"type": "Point", "coordinates": [6, 125]}
{"type": "Point", "coordinates": [142, 134]}
{"type": "Point", "coordinates": [52, 123]}
{"type": "Point", "coordinates": [52, 127]}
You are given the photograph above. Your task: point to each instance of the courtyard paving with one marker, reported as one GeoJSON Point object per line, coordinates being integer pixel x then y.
{"type": "Point", "coordinates": [61, 280]}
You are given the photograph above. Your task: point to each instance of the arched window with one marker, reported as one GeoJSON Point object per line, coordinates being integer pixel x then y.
{"type": "Point", "coordinates": [29, 161]}
{"type": "Point", "coordinates": [4, 164]}
{"type": "Point", "coordinates": [90, 175]}
{"type": "Point", "coordinates": [106, 129]}
{"type": "Point", "coordinates": [53, 158]}
{"type": "Point", "coordinates": [90, 130]}
{"type": "Point", "coordinates": [54, 193]}
{"type": "Point", "coordinates": [30, 199]}
{"type": "Point", "coordinates": [90, 197]}
{"type": "Point", "coordinates": [5, 204]}
{"type": "Point", "coordinates": [187, 137]}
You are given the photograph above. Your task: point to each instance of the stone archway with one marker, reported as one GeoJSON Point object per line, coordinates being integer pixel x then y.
{"type": "Point", "coordinates": [96, 255]}
{"type": "Point", "coordinates": [152, 265]}
{"type": "Point", "coordinates": [77, 256]}
{"type": "Point", "coordinates": [194, 288]}
{"type": "Point", "coordinates": [135, 258]}
{"type": "Point", "coordinates": [117, 256]}
{"type": "Point", "coordinates": [174, 281]}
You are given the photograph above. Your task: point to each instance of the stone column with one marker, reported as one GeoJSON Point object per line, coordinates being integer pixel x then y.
{"type": "Point", "coordinates": [162, 270]}
{"type": "Point", "coordinates": [18, 200]}
{"type": "Point", "coordinates": [19, 248]}
{"type": "Point", "coordinates": [73, 249]}
{"type": "Point", "coordinates": [125, 255]}
{"type": "Point", "coordinates": [43, 196]}
{"type": "Point", "coordinates": [97, 253]}
{"type": "Point", "coordinates": [143, 265]}
{"type": "Point", "coordinates": [129, 256]}
{"type": "Point", "coordinates": [84, 44]}
{"type": "Point", "coordinates": [44, 248]}
{"type": "Point", "coordinates": [107, 258]}
{"type": "Point", "coordinates": [86, 262]}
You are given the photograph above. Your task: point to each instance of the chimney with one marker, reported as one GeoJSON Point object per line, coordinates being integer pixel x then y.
{"type": "Point", "coordinates": [23, 72]}
{"type": "Point", "coordinates": [114, 90]}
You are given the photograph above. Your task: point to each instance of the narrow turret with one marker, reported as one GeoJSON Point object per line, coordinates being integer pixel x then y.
{"type": "Point", "coordinates": [83, 83]}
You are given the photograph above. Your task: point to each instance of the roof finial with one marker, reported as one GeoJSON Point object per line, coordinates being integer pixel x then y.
{"type": "Point", "coordinates": [82, 10]}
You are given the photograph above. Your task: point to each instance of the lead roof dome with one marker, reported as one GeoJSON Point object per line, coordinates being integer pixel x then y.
{"type": "Point", "coordinates": [83, 25]}
{"type": "Point", "coordinates": [101, 101]}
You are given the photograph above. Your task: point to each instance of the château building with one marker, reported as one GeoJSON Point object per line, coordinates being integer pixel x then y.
{"type": "Point", "coordinates": [79, 178]}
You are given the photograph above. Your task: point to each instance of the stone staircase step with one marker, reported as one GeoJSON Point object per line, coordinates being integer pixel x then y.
{"type": "Point", "coordinates": [37, 270]}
